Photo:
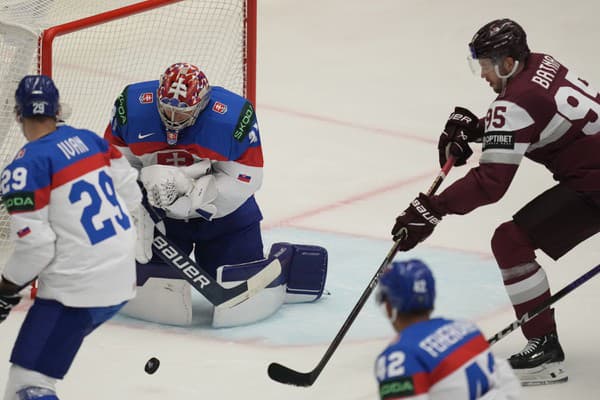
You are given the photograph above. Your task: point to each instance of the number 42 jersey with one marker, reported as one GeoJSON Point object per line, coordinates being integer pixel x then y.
{"type": "Point", "coordinates": [441, 359]}
{"type": "Point", "coordinates": [68, 195]}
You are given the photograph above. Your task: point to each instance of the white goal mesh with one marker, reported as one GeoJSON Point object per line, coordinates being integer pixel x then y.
{"type": "Point", "coordinates": [92, 65]}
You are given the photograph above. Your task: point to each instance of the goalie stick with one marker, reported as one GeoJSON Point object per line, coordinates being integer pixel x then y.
{"type": "Point", "coordinates": [545, 304]}
{"type": "Point", "coordinates": [201, 280]}
{"type": "Point", "coordinates": [283, 374]}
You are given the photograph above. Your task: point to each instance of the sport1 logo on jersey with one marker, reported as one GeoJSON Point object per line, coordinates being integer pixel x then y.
{"type": "Point", "coordinates": [97, 198]}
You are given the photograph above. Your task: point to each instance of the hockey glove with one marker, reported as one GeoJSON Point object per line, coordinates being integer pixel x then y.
{"type": "Point", "coordinates": [7, 302]}
{"type": "Point", "coordinates": [416, 223]}
{"type": "Point", "coordinates": [164, 184]}
{"type": "Point", "coordinates": [461, 128]}
{"type": "Point", "coordinates": [198, 202]}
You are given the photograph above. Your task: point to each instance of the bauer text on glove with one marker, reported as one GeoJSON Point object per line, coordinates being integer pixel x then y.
{"type": "Point", "coordinates": [416, 223]}
{"type": "Point", "coordinates": [461, 128]}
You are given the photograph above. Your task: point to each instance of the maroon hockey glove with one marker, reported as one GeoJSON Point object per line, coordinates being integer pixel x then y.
{"type": "Point", "coordinates": [7, 302]}
{"type": "Point", "coordinates": [461, 128]}
{"type": "Point", "coordinates": [416, 223]}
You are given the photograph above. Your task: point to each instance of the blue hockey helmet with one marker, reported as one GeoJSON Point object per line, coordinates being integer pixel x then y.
{"type": "Point", "coordinates": [408, 286]}
{"type": "Point", "coordinates": [36, 95]}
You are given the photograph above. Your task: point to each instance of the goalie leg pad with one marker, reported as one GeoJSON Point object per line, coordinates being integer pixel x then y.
{"type": "Point", "coordinates": [306, 270]}
{"type": "Point", "coordinates": [161, 297]}
{"type": "Point", "coordinates": [155, 270]}
{"type": "Point", "coordinates": [260, 306]}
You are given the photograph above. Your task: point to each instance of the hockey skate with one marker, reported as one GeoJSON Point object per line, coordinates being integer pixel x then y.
{"type": "Point", "coordinates": [540, 362]}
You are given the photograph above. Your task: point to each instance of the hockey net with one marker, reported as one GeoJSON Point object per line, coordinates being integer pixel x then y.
{"type": "Point", "coordinates": [93, 49]}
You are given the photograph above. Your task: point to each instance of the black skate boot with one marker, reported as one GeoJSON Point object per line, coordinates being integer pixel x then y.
{"type": "Point", "coordinates": [540, 362]}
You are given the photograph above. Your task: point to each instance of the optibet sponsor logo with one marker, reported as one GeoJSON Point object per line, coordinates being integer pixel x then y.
{"type": "Point", "coordinates": [497, 140]}
{"type": "Point", "coordinates": [146, 98]}
{"type": "Point", "coordinates": [219, 107]}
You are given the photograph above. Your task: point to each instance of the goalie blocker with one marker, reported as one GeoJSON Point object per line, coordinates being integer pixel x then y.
{"type": "Point", "coordinates": [163, 297]}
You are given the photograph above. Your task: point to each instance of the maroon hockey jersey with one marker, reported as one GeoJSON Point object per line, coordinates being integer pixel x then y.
{"type": "Point", "coordinates": [546, 113]}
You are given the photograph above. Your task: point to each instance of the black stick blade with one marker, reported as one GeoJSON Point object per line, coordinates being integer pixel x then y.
{"type": "Point", "coordinates": [285, 375]}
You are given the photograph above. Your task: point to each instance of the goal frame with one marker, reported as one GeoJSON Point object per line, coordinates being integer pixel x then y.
{"type": "Point", "coordinates": [47, 37]}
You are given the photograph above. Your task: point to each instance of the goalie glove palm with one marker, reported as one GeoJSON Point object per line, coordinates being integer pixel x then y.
{"type": "Point", "coordinates": [164, 184]}
{"type": "Point", "coordinates": [198, 202]}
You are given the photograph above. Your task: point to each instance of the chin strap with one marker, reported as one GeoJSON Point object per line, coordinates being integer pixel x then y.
{"type": "Point", "coordinates": [505, 77]}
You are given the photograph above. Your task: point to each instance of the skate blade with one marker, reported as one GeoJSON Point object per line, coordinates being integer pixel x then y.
{"type": "Point", "coordinates": [544, 374]}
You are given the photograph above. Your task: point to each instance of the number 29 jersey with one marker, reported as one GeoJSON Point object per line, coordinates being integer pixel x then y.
{"type": "Point", "coordinates": [68, 195]}
{"type": "Point", "coordinates": [441, 359]}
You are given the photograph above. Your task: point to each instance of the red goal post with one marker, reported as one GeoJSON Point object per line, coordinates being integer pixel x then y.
{"type": "Point", "coordinates": [93, 49]}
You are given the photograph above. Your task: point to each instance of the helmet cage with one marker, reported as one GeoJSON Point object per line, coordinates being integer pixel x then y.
{"type": "Point", "coordinates": [178, 115]}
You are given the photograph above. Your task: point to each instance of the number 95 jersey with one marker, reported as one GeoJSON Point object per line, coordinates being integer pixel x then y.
{"type": "Point", "coordinates": [68, 195]}
{"type": "Point", "coordinates": [442, 359]}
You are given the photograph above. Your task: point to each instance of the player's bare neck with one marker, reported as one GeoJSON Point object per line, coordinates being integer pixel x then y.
{"type": "Point", "coordinates": [37, 128]}
{"type": "Point", "coordinates": [403, 321]}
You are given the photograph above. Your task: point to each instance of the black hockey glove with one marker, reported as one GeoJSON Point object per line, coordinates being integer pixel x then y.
{"type": "Point", "coordinates": [7, 302]}
{"type": "Point", "coordinates": [461, 128]}
{"type": "Point", "coordinates": [416, 223]}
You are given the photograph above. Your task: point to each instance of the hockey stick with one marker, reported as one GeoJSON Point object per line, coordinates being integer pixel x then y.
{"type": "Point", "coordinates": [545, 304]}
{"type": "Point", "coordinates": [283, 374]}
{"type": "Point", "coordinates": [201, 280]}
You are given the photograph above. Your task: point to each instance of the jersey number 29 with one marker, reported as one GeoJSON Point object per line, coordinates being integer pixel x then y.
{"type": "Point", "coordinates": [97, 197]}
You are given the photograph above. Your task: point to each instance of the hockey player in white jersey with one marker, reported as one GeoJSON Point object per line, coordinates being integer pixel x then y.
{"type": "Point", "coordinates": [434, 358]}
{"type": "Point", "coordinates": [68, 193]}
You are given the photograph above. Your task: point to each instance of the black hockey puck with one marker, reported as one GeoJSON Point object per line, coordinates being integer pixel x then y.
{"type": "Point", "coordinates": [152, 365]}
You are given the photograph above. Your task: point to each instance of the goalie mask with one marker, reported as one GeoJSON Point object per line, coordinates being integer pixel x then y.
{"type": "Point", "coordinates": [183, 92]}
{"type": "Point", "coordinates": [408, 286]}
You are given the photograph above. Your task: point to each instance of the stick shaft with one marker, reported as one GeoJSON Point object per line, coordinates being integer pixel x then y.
{"type": "Point", "coordinates": [545, 304]}
{"type": "Point", "coordinates": [283, 374]}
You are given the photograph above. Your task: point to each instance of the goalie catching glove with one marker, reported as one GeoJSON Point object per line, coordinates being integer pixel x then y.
{"type": "Point", "coordinates": [416, 223]}
{"type": "Point", "coordinates": [177, 191]}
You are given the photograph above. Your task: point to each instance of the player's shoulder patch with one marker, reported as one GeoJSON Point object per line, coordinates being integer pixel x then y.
{"type": "Point", "coordinates": [245, 122]}
{"type": "Point", "coordinates": [19, 201]}
{"type": "Point", "coordinates": [498, 140]}
{"type": "Point", "coordinates": [121, 107]}
{"type": "Point", "coordinates": [395, 388]}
